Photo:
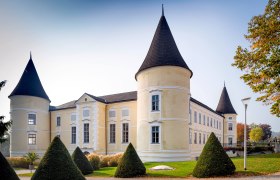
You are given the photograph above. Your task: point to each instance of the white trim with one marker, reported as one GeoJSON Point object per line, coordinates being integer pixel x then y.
{"type": "Point", "coordinates": [159, 133]}
{"type": "Point", "coordinates": [86, 117]}
{"type": "Point", "coordinates": [95, 125]}
{"type": "Point", "coordinates": [154, 93]}
{"type": "Point", "coordinates": [29, 110]}
{"type": "Point", "coordinates": [125, 143]}
{"type": "Point", "coordinates": [78, 124]}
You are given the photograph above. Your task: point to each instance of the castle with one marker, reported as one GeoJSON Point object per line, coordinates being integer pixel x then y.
{"type": "Point", "coordinates": [160, 119]}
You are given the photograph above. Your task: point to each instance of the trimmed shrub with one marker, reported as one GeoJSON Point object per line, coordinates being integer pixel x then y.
{"type": "Point", "coordinates": [6, 171]}
{"type": "Point", "coordinates": [114, 160]}
{"type": "Point", "coordinates": [104, 160]}
{"type": "Point", "coordinates": [94, 160]}
{"type": "Point", "coordinates": [18, 162]}
{"type": "Point", "coordinates": [213, 160]}
{"type": "Point", "coordinates": [81, 161]}
{"type": "Point", "coordinates": [57, 164]}
{"type": "Point", "coordinates": [130, 164]}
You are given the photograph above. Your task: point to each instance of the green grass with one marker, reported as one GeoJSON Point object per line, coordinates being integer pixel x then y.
{"type": "Point", "coordinates": [26, 175]}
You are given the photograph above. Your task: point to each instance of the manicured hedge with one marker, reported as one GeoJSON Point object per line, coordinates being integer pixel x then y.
{"type": "Point", "coordinates": [6, 171]}
{"type": "Point", "coordinates": [94, 160]}
{"type": "Point", "coordinates": [81, 161]}
{"type": "Point", "coordinates": [213, 161]}
{"type": "Point", "coordinates": [57, 164]}
{"type": "Point", "coordinates": [130, 164]}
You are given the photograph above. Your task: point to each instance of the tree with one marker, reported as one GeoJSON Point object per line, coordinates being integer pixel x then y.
{"type": "Point", "coordinates": [81, 161]}
{"type": "Point", "coordinates": [240, 132]}
{"type": "Point", "coordinates": [31, 157]}
{"type": "Point", "coordinates": [57, 164]}
{"type": "Point", "coordinates": [4, 126]}
{"type": "Point", "coordinates": [130, 164]}
{"type": "Point", "coordinates": [266, 131]}
{"type": "Point", "coordinates": [213, 160]}
{"type": "Point", "coordinates": [261, 63]}
{"type": "Point", "coordinates": [256, 134]}
{"type": "Point", "coordinates": [6, 171]}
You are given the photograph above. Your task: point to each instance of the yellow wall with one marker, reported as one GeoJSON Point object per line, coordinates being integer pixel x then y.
{"type": "Point", "coordinates": [233, 132]}
{"type": "Point", "coordinates": [20, 106]}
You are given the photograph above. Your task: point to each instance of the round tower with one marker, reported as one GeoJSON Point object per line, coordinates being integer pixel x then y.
{"type": "Point", "coordinates": [29, 111]}
{"type": "Point", "coordinates": [163, 97]}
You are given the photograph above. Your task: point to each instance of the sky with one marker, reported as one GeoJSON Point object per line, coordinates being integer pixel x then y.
{"type": "Point", "coordinates": [97, 47]}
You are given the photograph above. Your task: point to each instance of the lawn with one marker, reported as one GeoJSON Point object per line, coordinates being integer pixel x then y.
{"type": "Point", "coordinates": [256, 165]}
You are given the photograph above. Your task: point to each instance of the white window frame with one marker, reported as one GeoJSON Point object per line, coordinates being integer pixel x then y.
{"type": "Point", "coordinates": [73, 135]}
{"type": "Point", "coordinates": [112, 139]}
{"type": "Point", "coordinates": [58, 119]}
{"type": "Point", "coordinates": [195, 117]}
{"type": "Point", "coordinates": [230, 144]}
{"type": "Point", "coordinates": [122, 112]}
{"type": "Point", "coordinates": [84, 135]}
{"type": "Point", "coordinates": [73, 115]}
{"type": "Point", "coordinates": [30, 140]}
{"type": "Point", "coordinates": [158, 134]}
{"type": "Point", "coordinates": [230, 126]}
{"type": "Point", "coordinates": [112, 111]}
{"type": "Point", "coordinates": [122, 134]}
{"type": "Point", "coordinates": [29, 120]}
{"type": "Point", "coordinates": [155, 93]}
{"type": "Point", "coordinates": [86, 109]}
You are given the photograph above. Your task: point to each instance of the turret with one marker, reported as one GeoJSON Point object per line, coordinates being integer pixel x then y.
{"type": "Point", "coordinates": [29, 110]}
{"type": "Point", "coordinates": [230, 126]}
{"type": "Point", "coordinates": [163, 83]}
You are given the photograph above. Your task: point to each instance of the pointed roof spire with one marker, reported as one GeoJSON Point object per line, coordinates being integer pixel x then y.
{"type": "Point", "coordinates": [163, 49]}
{"type": "Point", "coordinates": [30, 58]}
{"type": "Point", "coordinates": [162, 9]}
{"type": "Point", "coordinates": [224, 83]}
{"type": "Point", "coordinates": [225, 106]}
{"type": "Point", "coordinates": [29, 83]}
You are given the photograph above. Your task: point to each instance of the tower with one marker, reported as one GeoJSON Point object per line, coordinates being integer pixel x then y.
{"type": "Point", "coordinates": [29, 110]}
{"type": "Point", "coordinates": [226, 109]}
{"type": "Point", "coordinates": [163, 85]}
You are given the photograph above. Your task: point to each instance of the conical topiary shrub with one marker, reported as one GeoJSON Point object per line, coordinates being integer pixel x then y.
{"type": "Point", "coordinates": [6, 171]}
{"type": "Point", "coordinates": [57, 164]}
{"type": "Point", "coordinates": [130, 164]}
{"type": "Point", "coordinates": [81, 161]}
{"type": "Point", "coordinates": [213, 161]}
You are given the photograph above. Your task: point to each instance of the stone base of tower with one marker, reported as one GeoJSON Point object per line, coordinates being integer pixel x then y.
{"type": "Point", "coordinates": [164, 156]}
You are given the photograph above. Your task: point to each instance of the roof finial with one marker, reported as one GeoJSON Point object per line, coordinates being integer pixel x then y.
{"type": "Point", "coordinates": [224, 83]}
{"type": "Point", "coordinates": [30, 56]}
{"type": "Point", "coordinates": [162, 9]}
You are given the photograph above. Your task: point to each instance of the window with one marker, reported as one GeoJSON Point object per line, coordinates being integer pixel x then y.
{"type": "Point", "coordinates": [31, 119]}
{"type": "Point", "coordinates": [199, 118]}
{"type": "Point", "coordinates": [195, 116]}
{"type": "Point", "coordinates": [155, 134]}
{"type": "Point", "coordinates": [214, 123]}
{"type": "Point", "coordinates": [230, 126]}
{"type": "Point", "coordinates": [211, 123]}
{"type": "Point", "coordinates": [220, 125]}
{"type": "Point", "coordinates": [86, 133]}
{"type": "Point", "coordinates": [203, 138]}
{"type": "Point", "coordinates": [112, 113]}
{"type": "Point", "coordinates": [199, 138]}
{"type": "Point", "coordinates": [112, 133]}
{"type": "Point", "coordinates": [190, 136]}
{"type": "Point", "coordinates": [190, 116]}
{"type": "Point", "coordinates": [230, 141]}
{"type": "Point", "coordinates": [58, 120]}
{"type": "Point", "coordinates": [73, 135]}
{"type": "Point", "coordinates": [207, 121]}
{"type": "Point", "coordinates": [195, 136]}
{"type": "Point", "coordinates": [217, 126]}
{"type": "Point", "coordinates": [31, 139]}
{"type": "Point", "coordinates": [155, 102]}
{"type": "Point", "coordinates": [203, 119]}
{"type": "Point", "coordinates": [125, 133]}
{"type": "Point", "coordinates": [229, 118]}
{"type": "Point", "coordinates": [85, 112]}
{"type": "Point", "coordinates": [125, 112]}
{"type": "Point", "coordinates": [73, 117]}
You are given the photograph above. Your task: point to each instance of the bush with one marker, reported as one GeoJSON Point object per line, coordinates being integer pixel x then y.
{"type": "Point", "coordinates": [18, 162]}
{"type": "Point", "coordinates": [104, 161]}
{"type": "Point", "coordinates": [81, 161]}
{"type": "Point", "coordinates": [213, 160]}
{"type": "Point", "coordinates": [94, 160]}
{"type": "Point", "coordinates": [6, 171]}
{"type": "Point", "coordinates": [115, 159]}
{"type": "Point", "coordinates": [130, 164]}
{"type": "Point", "coordinates": [57, 164]}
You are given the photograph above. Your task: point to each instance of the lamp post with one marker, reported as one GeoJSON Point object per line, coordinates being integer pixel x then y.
{"type": "Point", "coordinates": [245, 101]}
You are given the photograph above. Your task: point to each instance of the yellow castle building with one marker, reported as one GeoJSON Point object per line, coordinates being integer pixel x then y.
{"type": "Point", "coordinates": [161, 119]}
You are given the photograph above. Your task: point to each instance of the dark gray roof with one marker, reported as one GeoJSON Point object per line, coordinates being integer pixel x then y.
{"type": "Point", "coordinates": [225, 106]}
{"type": "Point", "coordinates": [205, 106]}
{"type": "Point", "coordinates": [29, 83]}
{"type": "Point", "coordinates": [163, 50]}
{"type": "Point", "coordinates": [121, 97]}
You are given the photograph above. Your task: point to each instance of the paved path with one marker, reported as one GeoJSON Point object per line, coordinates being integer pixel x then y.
{"type": "Point", "coordinates": [275, 176]}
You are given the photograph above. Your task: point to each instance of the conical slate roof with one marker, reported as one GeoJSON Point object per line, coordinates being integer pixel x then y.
{"type": "Point", "coordinates": [225, 106]}
{"type": "Point", "coordinates": [163, 50]}
{"type": "Point", "coordinates": [29, 83]}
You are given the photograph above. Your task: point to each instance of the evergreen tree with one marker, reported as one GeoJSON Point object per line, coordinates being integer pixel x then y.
{"type": "Point", "coordinates": [6, 171]}
{"type": "Point", "coordinates": [130, 164]}
{"type": "Point", "coordinates": [57, 164]}
{"type": "Point", "coordinates": [213, 161]}
{"type": "Point", "coordinates": [81, 161]}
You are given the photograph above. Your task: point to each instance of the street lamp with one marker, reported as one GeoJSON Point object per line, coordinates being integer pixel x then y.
{"type": "Point", "coordinates": [245, 101]}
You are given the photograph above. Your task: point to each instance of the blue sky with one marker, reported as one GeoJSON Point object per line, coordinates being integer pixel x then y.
{"type": "Point", "coordinates": [97, 46]}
